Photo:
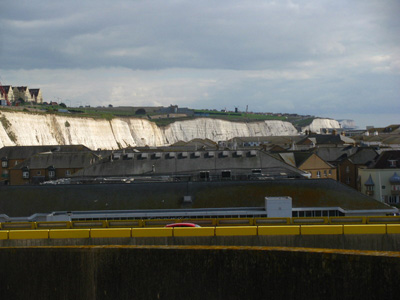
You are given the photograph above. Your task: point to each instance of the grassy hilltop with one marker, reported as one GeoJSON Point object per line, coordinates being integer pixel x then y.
{"type": "Point", "coordinates": [160, 115]}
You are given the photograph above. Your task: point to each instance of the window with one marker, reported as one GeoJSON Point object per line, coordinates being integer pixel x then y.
{"type": "Point", "coordinates": [226, 174]}
{"type": "Point", "coordinates": [4, 163]}
{"type": "Point", "coordinates": [205, 175]}
{"type": "Point", "coordinates": [318, 174]}
{"type": "Point", "coordinates": [396, 187]}
{"type": "Point", "coordinates": [370, 188]}
{"type": "Point", "coordinates": [67, 172]}
{"type": "Point", "coordinates": [392, 163]}
{"type": "Point", "coordinates": [348, 180]}
{"type": "Point", "coordinates": [52, 174]}
{"type": "Point", "coordinates": [330, 172]}
{"type": "Point", "coordinates": [325, 173]}
{"type": "Point", "coordinates": [347, 169]}
{"type": "Point", "coordinates": [39, 173]}
{"type": "Point", "coordinates": [25, 174]}
{"type": "Point", "coordinates": [394, 199]}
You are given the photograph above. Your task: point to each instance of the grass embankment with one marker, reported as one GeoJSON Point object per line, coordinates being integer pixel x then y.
{"type": "Point", "coordinates": [153, 114]}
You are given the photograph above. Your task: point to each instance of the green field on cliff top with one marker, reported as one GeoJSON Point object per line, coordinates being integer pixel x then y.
{"type": "Point", "coordinates": [155, 115]}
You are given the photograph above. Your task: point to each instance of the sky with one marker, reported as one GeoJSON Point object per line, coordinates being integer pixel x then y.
{"type": "Point", "coordinates": [337, 59]}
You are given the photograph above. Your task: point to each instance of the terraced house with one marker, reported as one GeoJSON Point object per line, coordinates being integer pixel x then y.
{"type": "Point", "coordinates": [310, 163]}
{"type": "Point", "coordinates": [50, 166]}
{"type": "Point", "coordinates": [11, 156]}
{"type": "Point", "coordinates": [381, 180]}
{"type": "Point", "coordinates": [21, 94]}
{"type": "Point", "coordinates": [8, 91]}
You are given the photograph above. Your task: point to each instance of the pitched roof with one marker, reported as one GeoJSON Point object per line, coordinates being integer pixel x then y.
{"type": "Point", "coordinates": [21, 88]}
{"type": "Point", "coordinates": [384, 160]}
{"type": "Point", "coordinates": [34, 92]}
{"type": "Point", "coordinates": [161, 163]}
{"type": "Point", "coordinates": [327, 139]}
{"type": "Point", "coordinates": [297, 158]}
{"type": "Point", "coordinates": [62, 160]}
{"type": "Point", "coordinates": [23, 152]}
{"type": "Point", "coordinates": [363, 156]}
{"type": "Point", "coordinates": [6, 88]}
{"type": "Point", "coordinates": [332, 154]}
{"type": "Point", "coordinates": [277, 140]}
{"type": "Point", "coordinates": [304, 192]}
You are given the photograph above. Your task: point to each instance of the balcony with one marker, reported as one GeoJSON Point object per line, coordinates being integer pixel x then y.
{"type": "Point", "coordinates": [370, 193]}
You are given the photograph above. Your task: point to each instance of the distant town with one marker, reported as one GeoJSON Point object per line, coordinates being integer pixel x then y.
{"type": "Point", "coordinates": [367, 161]}
{"type": "Point", "coordinates": [31, 99]}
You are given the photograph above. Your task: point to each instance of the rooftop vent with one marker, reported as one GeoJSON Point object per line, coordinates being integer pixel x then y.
{"type": "Point", "coordinates": [187, 199]}
{"type": "Point", "coordinates": [253, 153]}
{"type": "Point", "coordinates": [239, 153]}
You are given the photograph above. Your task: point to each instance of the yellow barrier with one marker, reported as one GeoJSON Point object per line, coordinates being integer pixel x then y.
{"type": "Point", "coordinates": [88, 224]}
{"type": "Point", "coordinates": [279, 230]}
{"type": "Point", "coordinates": [18, 225]}
{"type": "Point", "coordinates": [152, 232]}
{"type": "Point", "coordinates": [202, 222]}
{"type": "Point", "coordinates": [4, 235]}
{"type": "Point", "coordinates": [69, 233]}
{"type": "Point", "coordinates": [347, 220]}
{"type": "Point", "coordinates": [124, 223]}
{"type": "Point", "coordinates": [393, 228]}
{"type": "Point", "coordinates": [236, 230]}
{"type": "Point", "coordinates": [321, 229]}
{"type": "Point", "coordinates": [271, 221]}
{"type": "Point", "coordinates": [194, 231]}
{"type": "Point", "coordinates": [53, 225]}
{"type": "Point", "coordinates": [110, 233]}
{"type": "Point", "coordinates": [235, 222]}
{"type": "Point", "coordinates": [364, 229]}
{"type": "Point", "coordinates": [383, 220]}
{"type": "Point", "coordinates": [321, 220]}
{"type": "Point", "coordinates": [159, 222]}
{"type": "Point", "coordinates": [28, 234]}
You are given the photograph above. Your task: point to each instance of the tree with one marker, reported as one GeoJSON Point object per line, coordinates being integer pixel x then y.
{"type": "Point", "coordinates": [63, 105]}
{"type": "Point", "coordinates": [140, 111]}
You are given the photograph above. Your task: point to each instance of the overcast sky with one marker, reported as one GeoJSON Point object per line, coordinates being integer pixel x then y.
{"type": "Point", "coordinates": [338, 59]}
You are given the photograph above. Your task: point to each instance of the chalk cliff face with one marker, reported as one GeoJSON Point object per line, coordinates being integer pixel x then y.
{"type": "Point", "coordinates": [317, 124]}
{"type": "Point", "coordinates": [17, 128]}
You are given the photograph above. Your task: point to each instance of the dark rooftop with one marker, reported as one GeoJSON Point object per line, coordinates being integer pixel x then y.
{"type": "Point", "coordinates": [23, 152]}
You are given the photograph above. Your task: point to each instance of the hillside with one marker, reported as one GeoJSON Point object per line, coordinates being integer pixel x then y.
{"type": "Point", "coordinates": [22, 128]}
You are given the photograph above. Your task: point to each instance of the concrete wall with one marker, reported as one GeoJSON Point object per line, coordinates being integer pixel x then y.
{"type": "Point", "coordinates": [372, 242]}
{"type": "Point", "coordinates": [196, 273]}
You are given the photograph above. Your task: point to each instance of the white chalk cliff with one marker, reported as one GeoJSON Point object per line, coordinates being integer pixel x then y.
{"type": "Point", "coordinates": [22, 129]}
{"type": "Point", "coordinates": [317, 124]}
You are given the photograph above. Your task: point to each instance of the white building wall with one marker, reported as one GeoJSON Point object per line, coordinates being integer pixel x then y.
{"type": "Point", "coordinates": [381, 178]}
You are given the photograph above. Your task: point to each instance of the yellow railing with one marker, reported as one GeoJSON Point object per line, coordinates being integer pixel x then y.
{"type": "Point", "coordinates": [215, 231]}
{"type": "Point", "coordinates": [206, 222]}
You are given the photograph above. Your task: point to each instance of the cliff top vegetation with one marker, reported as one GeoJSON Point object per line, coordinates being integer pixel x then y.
{"type": "Point", "coordinates": [159, 115]}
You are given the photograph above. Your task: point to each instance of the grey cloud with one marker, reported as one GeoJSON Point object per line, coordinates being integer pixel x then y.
{"type": "Point", "coordinates": [185, 34]}
{"type": "Point", "coordinates": [313, 57]}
